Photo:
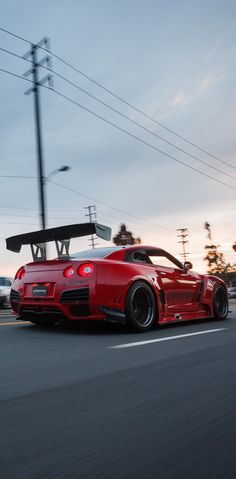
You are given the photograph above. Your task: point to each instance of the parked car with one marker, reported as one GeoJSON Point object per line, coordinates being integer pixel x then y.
{"type": "Point", "coordinates": [232, 292]}
{"type": "Point", "coordinates": [138, 285]}
{"type": "Point", "coordinates": [5, 288]}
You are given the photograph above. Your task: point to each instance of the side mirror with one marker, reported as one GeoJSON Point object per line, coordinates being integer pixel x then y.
{"type": "Point", "coordinates": [187, 265]}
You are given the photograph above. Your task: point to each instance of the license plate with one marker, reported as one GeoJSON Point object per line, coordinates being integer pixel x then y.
{"type": "Point", "coordinates": [39, 290]}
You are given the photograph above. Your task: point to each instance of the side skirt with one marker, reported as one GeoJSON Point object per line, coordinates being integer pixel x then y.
{"type": "Point", "coordinates": [182, 317]}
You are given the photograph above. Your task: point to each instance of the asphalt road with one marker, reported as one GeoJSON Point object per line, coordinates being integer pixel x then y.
{"type": "Point", "coordinates": [87, 402]}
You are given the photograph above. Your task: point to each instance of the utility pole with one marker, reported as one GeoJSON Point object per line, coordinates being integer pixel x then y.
{"type": "Point", "coordinates": [33, 55]}
{"type": "Point", "coordinates": [92, 213]}
{"type": "Point", "coordinates": [183, 235]}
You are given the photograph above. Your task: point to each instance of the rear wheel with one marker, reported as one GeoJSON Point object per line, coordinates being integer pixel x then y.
{"type": "Point", "coordinates": [141, 307]}
{"type": "Point", "coordinates": [220, 303]}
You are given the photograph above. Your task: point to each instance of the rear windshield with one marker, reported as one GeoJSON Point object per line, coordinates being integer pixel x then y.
{"type": "Point", "coordinates": [95, 253]}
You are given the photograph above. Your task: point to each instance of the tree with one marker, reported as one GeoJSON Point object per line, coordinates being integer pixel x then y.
{"type": "Point", "coordinates": [125, 237]}
{"type": "Point", "coordinates": [234, 246]}
{"type": "Point", "coordinates": [215, 259]}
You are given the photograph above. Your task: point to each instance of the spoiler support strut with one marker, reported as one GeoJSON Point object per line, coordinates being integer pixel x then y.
{"type": "Point", "coordinates": [38, 251]}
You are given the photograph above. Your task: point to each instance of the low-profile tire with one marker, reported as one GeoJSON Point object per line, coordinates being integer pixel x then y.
{"type": "Point", "coordinates": [220, 303]}
{"type": "Point", "coordinates": [140, 308]}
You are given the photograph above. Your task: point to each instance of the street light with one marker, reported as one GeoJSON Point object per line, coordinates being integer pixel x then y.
{"type": "Point", "coordinates": [62, 168]}
{"type": "Point", "coordinates": [45, 179]}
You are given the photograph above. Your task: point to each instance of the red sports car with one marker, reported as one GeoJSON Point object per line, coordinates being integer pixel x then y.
{"type": "Point", "coordinates": [138, 285]}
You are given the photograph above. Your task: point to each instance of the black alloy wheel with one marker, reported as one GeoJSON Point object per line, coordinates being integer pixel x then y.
{"type": "Point", "coordinates": [141, 309]}
{"type": "Point", "coordinates": [220, 303]}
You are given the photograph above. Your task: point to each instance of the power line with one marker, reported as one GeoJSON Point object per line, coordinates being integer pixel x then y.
{"type": "Point", "coordinates": [17, 176]}
{"type": "Point", "coordinates": [14, 207]}
{"type": "Point", "coordinates": [107, 90]}
{"type": "Point", "coordinates": [125, 131]}
{"type": "Point", "coordinates": [17, 76]}
{"type": "Point", "coordinates": [70, 189]}
{"type": "Point", "coordinates": [16, 36]}
{"type": "Point", "coordinates": [51, 217]}
{"type": "Point", "coordinates": [139, 139]}
{"type": "Point", "coordinates": [203, 150]}
{"type": "Point", "coordinates": [126, 117]}
{"type": "Point", "coordinates": [18, 216]}
{"type": "Point", "coordinates": [100, 212]}
{"type": "Point", "coordinates": [141, 126]}
{"type": "Point", "coordinates": [138, 110]}
{"type": "Point", "coordinates": [53, 224]}
{"type": "Point", "coordinates": [107, 214]}
{"type": "Point", "coordinates": [109, 206]}
{"type": "Point", "coordinates": [23, 224]}
{"type": "Point", "coordinates": [10, 52]}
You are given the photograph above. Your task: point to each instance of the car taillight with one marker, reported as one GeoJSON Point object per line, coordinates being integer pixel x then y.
{"type": "Point", "coordinates": [85, 269]}
{"type": "Point", "coordinates": [69, 271]}
{"type": "Point", "coordinates": [20, 273]}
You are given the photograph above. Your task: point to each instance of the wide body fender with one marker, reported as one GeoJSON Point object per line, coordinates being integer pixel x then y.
{"type": "Point", "coordinates": [114, 281]}
{"type": "Point", "coordinates": [210, 283]}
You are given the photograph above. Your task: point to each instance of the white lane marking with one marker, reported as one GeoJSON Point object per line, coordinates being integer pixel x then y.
{"type": "Point", "coordinates": [13, 324]}
{"type": "Point", "coordinates": [167, 338]}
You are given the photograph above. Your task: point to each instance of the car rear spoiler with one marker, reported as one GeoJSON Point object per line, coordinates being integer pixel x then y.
{"type": "Point", "coordinates": [61, 235]}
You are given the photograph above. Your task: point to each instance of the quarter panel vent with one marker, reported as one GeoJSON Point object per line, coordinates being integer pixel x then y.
{"type": "Point", "coordinates": [14, 296]}
{"type": "Point", "coordinates": [75, 295]}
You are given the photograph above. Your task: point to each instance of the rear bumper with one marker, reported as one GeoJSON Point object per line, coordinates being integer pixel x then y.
{"type": "Point", "coordinates": [65, 312]}
{"type": "Point", "coordinates": [70, 312]}
{"type": "Point", "coordinates": [85, 302]}
{"type": "Point", "coordinates": [31, 312]}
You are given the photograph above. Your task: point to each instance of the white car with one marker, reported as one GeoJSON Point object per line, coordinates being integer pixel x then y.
{"type": "Point", "coordinates": [232, 292]}
{"type": "Point", "coordinates": [5, 289]}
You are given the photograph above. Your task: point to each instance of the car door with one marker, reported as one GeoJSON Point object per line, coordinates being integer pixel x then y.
{"type": "Point", "coordinates": [180, 287]}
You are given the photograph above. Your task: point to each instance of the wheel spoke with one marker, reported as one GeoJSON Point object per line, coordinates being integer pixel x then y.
{"type": "Point", "coordinates": [221, 303]}
{"type": "Point", "coordinates": [142, 306]}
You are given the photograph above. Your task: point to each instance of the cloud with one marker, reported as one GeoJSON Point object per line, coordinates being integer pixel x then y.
{"type": "Point", "coordinates": [179, 99]}
{"type": "Point", "coordinates": [209, 80]}
{"type": "Point", "coordinates": [214, 49]}
{"type": "Point", "coordinates": [192, 89]}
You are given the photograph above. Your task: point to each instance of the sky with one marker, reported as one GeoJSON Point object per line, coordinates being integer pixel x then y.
{"type": "Point", "coordinates": [172, 60]}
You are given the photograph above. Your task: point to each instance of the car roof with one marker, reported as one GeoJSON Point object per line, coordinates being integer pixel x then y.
{"type": "Point", "coordinates": [120, 252]}
{"type": "Point", "coordinates": [109, 250]}
{"type": "Point", "coordinates": [96, 252]}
